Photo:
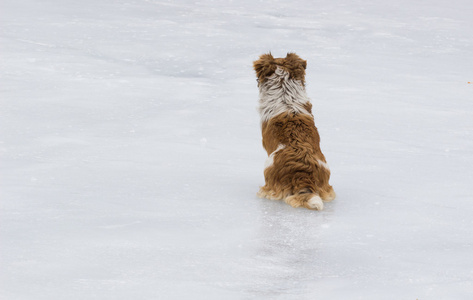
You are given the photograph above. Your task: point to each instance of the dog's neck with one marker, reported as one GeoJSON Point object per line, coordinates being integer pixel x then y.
{"type": "Point", "coordinates": [281, 94]}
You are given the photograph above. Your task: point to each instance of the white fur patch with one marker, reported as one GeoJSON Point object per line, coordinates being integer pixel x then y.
{"type": "Point", "coordinates": [323, 164]}
{"type": "Point", "coordinates": [280, 94]}
{"type": "Point", "coordinates": [270, 160]}
{"type": "Point", "coordinates": [316, 203]}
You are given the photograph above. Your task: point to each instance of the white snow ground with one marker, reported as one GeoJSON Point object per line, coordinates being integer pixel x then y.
{"type": "Point", "coordinates": [131, 151]}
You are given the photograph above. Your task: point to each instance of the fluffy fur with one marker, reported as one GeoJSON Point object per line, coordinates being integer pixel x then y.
{"type": "Point", "coordinates": [296, 170]}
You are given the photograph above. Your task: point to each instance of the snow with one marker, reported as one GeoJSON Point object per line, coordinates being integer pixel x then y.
{"type": "Point", "coordinates": [131, 150]}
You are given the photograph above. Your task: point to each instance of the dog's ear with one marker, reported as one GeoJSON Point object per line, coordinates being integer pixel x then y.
{"type": "Point", "coordinates": [264, 66]}
{"type": "Point", "coordinates": [296, 66]}
{"type": "Point", "coordinates": [295, 59]}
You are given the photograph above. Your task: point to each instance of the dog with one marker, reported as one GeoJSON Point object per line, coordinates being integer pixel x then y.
{"type": "Point", "coordinates": [296, 170]}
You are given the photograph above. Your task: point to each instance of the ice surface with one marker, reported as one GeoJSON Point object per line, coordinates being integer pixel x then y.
{"type": "Point", "coordinates": [131, 152]}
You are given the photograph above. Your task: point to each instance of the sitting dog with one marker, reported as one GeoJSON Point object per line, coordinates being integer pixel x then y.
{"type": "Point", "coordinates": [296, 170]}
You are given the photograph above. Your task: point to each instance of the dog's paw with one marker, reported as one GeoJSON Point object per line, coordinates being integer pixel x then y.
{"type": "Point", "coordinates": [261, 193]}
{"type": "Point", "coordinates": [329, 197]}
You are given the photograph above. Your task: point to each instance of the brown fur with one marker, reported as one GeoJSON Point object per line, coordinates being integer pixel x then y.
{"type": "Point", "coordinates": [295, 168]}
{"type": "Point", "coordinates": [296, 174]}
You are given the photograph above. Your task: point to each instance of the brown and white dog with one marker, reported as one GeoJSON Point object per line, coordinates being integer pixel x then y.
{"type": "Point", "coordinates": [296, 170]}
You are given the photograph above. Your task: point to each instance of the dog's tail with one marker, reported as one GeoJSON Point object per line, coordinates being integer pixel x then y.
{"type": "Point", "coordinates": [306, 199]}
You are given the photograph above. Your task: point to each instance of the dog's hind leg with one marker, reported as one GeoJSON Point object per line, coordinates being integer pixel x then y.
{"type": "Point", "coordinates": [268, 193]}
{"type": "Point", "coordinates": [328, 194]}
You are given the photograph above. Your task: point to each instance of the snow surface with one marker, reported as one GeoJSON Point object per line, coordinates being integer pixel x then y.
{"type": "Point", "coordinates": [131, 150]}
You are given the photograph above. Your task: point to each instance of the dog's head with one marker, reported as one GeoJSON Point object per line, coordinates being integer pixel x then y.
{"type": "Point", "coordinates": [266, 65]}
